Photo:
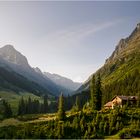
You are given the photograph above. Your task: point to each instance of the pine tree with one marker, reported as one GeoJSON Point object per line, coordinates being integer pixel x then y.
{"type": "Point", "coordinates": [21, 107]}
{"type": "Point", "coordinates": [7, 112]}
{"type": "Point", "coordinates": [61, 111]}
{"type": "Point", "coordinates": [77, 103]}
{"type": "Point", "coordinates": [98, 93]}
{"type": "Point", "coordinates": [93, 95]}
{"type": "Point", "coordinates": [45, 105]}
{"type": "Point", "coordinates": [35, 106]}
{"type": "Point", "coordinates": [29, 106]}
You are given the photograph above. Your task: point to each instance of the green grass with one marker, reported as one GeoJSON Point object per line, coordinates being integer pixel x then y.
{"type": "Point", "coordinates": [112, 137]}
{"type": "Point", "coordinates": [122, 70]}
{"type": "Point", "coordinates": [13, 98]}
{"type": "Point", "coordinates": [29, 118]}
{"type": "Point", "coordinates": [10, 121]}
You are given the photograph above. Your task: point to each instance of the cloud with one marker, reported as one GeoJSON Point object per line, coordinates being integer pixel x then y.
{"type": "Point", "coordinates": [72, 36]}
{"type": "Point", "coordinates": [64, 50]}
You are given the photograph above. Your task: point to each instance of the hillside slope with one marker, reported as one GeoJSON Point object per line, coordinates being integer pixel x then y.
{"type": "Point", "coordinates": [121, 71]}
{"type": "Point", "coordinates": [10, 80]}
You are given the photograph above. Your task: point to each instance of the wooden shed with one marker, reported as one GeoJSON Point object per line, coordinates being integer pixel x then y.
{"type": "Point", "coordinates": [121, 100]}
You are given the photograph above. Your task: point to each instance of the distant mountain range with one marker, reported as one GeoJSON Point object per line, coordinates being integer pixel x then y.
{"type": "Point", "coordinates": [63, 81]}
{"type": "Point", "coordinates": [17, 74]}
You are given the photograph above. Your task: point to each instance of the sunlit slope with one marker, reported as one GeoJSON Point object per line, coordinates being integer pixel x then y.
{"type": "Point", "coordinates": [121, 72]}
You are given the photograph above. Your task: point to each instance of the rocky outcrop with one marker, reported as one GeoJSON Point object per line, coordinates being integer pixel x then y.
{"type": "Point", "coordinates": [9, 54]}
{"type": "Point", "coordinates": [123, 44]}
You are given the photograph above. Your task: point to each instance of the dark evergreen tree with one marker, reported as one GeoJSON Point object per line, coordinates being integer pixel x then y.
{"type": "Point", "coordinates": [61, 111]}
{"type": "Point", "coordinates": [93, 95]}
{"type": "Point", "coordinates": [98, 93]}
{"type": "Point", "coordinates": [77, 104]}
{"type": "Point", "coordinates": [45, 105]}
{"type": "Point", "coordinates": [29, 106]}
{"type": "Point", "coordinates": [35, 106]}
{"type": "Point", "coordinates": [7, 111]}
{"type": "Point", "coordinates": [21, 107]}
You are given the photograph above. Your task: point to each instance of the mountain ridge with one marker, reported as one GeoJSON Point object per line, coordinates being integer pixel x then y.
{"type": "Point", "coordinates": [9, 53]}
{"type": "Point", "coordinates": [63, 81]}
{"type": "Point", "coordinates": [114, 68]}
{"type": "Point", "coordinates": [123, 44]}
{"type": "Point", "coordinates": [17, 62]}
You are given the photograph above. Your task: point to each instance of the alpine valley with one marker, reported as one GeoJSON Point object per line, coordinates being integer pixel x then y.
{"type": "Point", "coordinates": [18, 78]}
{"type": "Point", "coordinates": [105, 106]}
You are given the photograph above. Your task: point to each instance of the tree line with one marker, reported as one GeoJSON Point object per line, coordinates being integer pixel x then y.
{"type": "Point", "coordinates": [32, 106]}
{"type": "Point", "coordinates": [5, 109]}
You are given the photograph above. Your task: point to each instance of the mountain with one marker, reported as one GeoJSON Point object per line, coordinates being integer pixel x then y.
{"type": "Point", "coordinates": [12, 81]}
{"type": "Point", "coordinates": [9, 54]}
{"type": "Point", "coordinates": [121, 72]}
{"type": "Point", "coordinates": [126, 46]}
{"type": "Point", "coordinates": [63, 81]}
{"type": "Point", "coordinates": [64, 85]}
{"type": "Point", "coordinates": [10, 57]}
{"type": "Point", "coordinates": [14, 61]}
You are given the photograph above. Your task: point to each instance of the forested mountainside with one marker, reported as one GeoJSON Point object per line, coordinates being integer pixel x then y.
{"type": "Point", "coordinates": [12, 81]}
{"type": "Point", "coordinates": [120, 74]}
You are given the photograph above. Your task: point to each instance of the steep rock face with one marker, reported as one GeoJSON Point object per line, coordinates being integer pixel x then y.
{"type": "Point", "coordinates": [125, 44]}
{"type": "Point", "coordinates": [120, 47]}
{"type": "Point", "coordinates": [9, 54]}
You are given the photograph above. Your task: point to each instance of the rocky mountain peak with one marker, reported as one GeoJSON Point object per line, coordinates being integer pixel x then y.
{"type": "Point", "coordinates": [120, 47]}
{"type": "Point", "coordinates": [123, 43]}
{"type": "Point", "coordinates": [38, 70]}
{"type": "Point", "coordinates": [10, 54]}
{"type": "Point", "coordinates": [136, 31]}
{"type": "Point", "coordinates": [8, 47]}
{"type": "Point", "coordinates": [138, 26]}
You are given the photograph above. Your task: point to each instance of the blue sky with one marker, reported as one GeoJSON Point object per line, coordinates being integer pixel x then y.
{"type": "Point", "coordinates": [72, 39]}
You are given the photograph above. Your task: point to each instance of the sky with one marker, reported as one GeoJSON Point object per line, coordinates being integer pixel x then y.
{"type": "Point", "coordinates": [72, 39]}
